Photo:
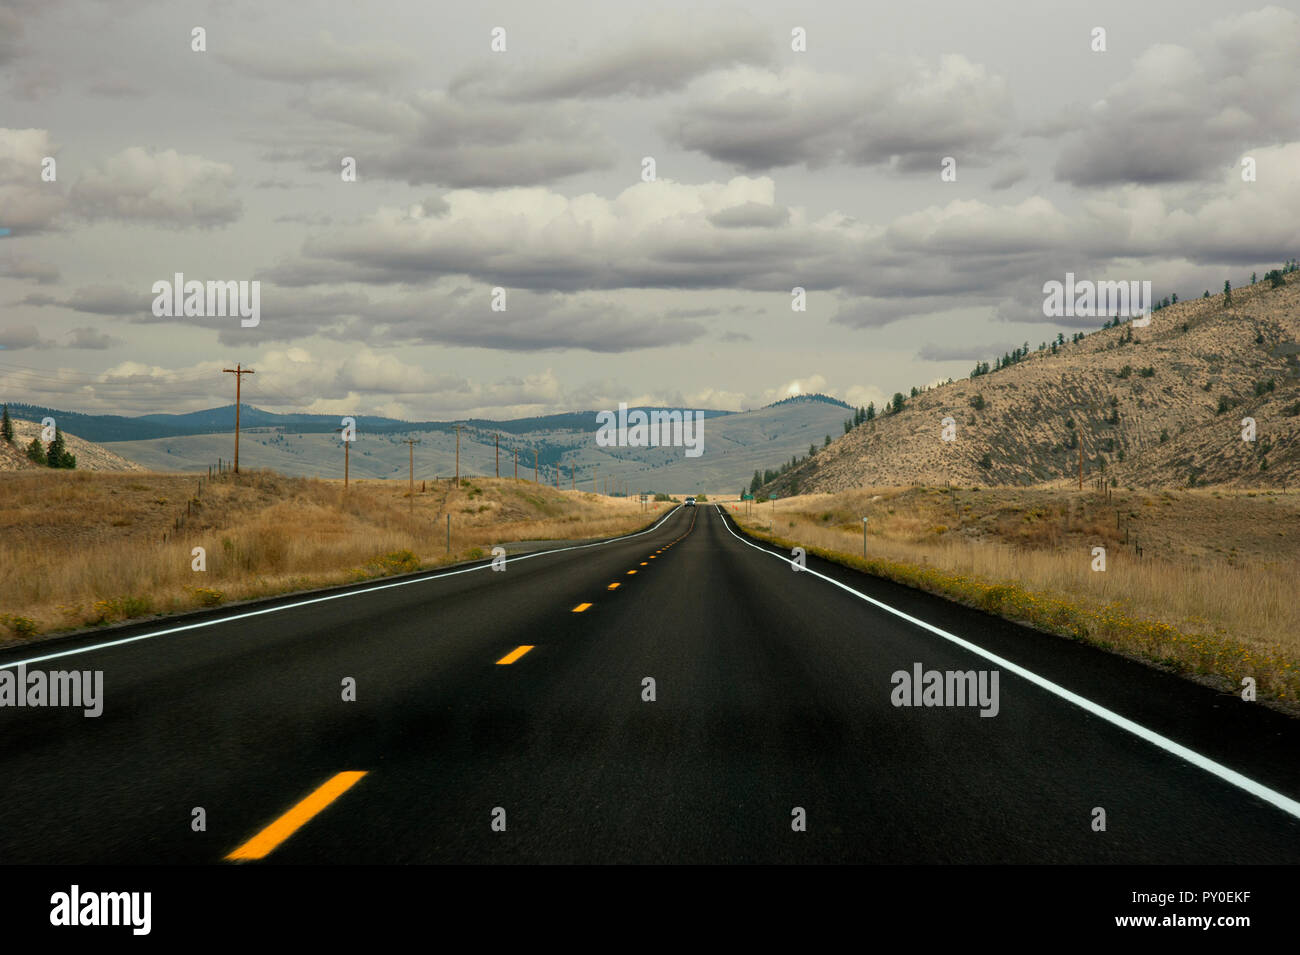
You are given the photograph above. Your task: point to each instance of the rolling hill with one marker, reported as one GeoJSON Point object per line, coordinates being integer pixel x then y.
{"type": "Point", "coordinates": [1159, 406]}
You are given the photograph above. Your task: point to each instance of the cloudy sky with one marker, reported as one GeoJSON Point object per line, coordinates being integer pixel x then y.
{"type": "Point", "coordinates": [524, 169]}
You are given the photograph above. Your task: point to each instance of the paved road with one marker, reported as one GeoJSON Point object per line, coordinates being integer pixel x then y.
{"type": "Point", "coordinates": [772, 692]}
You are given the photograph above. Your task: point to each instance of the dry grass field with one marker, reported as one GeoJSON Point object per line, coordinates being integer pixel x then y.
{"type": "Point", "coordinates": [1212, 593]}
{"type": "Point", "coordinates": [82, 549]}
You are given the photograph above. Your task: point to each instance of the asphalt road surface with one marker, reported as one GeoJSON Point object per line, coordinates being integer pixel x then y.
{"type": "Point", "coordinates": [772, 735]}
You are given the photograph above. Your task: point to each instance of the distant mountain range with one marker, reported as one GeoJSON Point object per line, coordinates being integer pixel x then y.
{"type": "Point", "coordinates": [221, 419]}
{"type": "Point", "coordinates": [562, 446]}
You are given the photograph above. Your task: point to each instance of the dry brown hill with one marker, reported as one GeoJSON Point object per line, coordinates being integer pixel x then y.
{"type": "Point", "coordinates": [90, 456]}
{"type": "Point", "coordinates": [1163, 410]}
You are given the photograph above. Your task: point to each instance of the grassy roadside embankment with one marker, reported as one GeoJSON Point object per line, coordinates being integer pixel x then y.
{"type": "Point", "coordinates": [1212, 596]}
{"type": "Point", "coordinates": [81, 549]}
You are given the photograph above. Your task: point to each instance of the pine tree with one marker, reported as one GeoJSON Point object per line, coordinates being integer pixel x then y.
{"type": "Point", "coordinates": [7, 427]}
{"type": "Point", "coordinates": [1227, 292]}
{"type": "Point", "coordinates": [36, 451]}
{"type": "Point", "coordinates": [57, 455]}
{"type": "Point", "coordinates": [871, 412]}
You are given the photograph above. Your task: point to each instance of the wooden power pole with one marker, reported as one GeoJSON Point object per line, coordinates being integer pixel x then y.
{"type": "Point", "coordinates": [457, 427]}
{"type": "Point", "coordinates": [239, 371]}
{"type": "Point", "coordinates": [347, 455]}
{"type": "Point", "coordinates": [412, 442]}
{"type": "Point", "coordinates": [498, 454]}
{"type": "Point", "coordinates": [535, 481]}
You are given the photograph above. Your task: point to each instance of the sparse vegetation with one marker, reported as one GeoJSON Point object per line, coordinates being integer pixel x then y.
{"type": "Point", "coordinates": [87, 549]}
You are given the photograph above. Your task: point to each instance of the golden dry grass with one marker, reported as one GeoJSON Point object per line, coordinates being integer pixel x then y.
{"type": "Point", "coordinates": [80, 549]}
{"type": "Point", "coordinates": [1213, 592]}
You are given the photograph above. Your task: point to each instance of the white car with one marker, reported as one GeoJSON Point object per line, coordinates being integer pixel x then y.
{"type": "Point", "coordinates": [690, 502]}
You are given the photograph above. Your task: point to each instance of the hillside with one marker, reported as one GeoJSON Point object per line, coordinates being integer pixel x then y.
{"type": "Point", "coordinates": [90, 457]}
{"type": "Point", "coordinates": [1161, 410]}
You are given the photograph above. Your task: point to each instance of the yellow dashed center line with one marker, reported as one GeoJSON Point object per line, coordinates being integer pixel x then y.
{"type": "Point", "coordinates": [580, 608]}
{"type": "Point", "coordinates": [644, 564]}
{"type": "Point", "coordinates": [513, 655]}
{"type": "Point", "coordinates": [613, 586]}
{"type": "Point", "coordinates": [631, 571]}
{"type": "Point", "coordinates": [265, 841]}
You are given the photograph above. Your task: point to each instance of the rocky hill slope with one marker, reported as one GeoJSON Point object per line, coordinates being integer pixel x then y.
{"type": "Point", "coordinates": [1159, 406]}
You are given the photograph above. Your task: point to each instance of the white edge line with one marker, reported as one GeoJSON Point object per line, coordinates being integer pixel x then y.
{"type": "Point", "coordinates": [1231, 776]}
{"type": "Point", "coordinates": [316, 600]}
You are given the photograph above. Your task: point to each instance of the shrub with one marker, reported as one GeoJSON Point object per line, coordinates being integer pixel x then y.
{"type": "Point", "coordinates": [207, 597]}
{"type": "Point", "coordinates": [397, 562]}
{"type": "Point", "coordinates": [19, 626]}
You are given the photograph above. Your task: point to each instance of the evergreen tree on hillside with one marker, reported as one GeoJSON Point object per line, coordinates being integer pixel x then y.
{"type": "Point", "coordinates": [57, 455]}
{"type": "Point", "coordinates": [871, 412]}
{"type": "Point", "coordinates": [36, 451]}
{"type": "Point", "coordinates": [1227, 292]}
{"type": "Point", "coordinates": [7, 427]}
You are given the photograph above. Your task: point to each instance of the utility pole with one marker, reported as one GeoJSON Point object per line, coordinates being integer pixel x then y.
{"type": "Point", "coordinates": [595, 480]}
{"type": "Point", "coordinates": [498, 454]}
{"type": "Point", "coordinates": [239, 371]}
{"type": "Point", "coordinates": [535, 481]}
{"type": "Point", "coordinates": [412, 442]}
{"type": "Point", "coordinates": [347, 452]}
{"type": "Point", "coordinates": [457, 427]}
{"type": "Point", "coordinates": [516, 465]}
{"type": "Point", "coordinates": [573, 477]}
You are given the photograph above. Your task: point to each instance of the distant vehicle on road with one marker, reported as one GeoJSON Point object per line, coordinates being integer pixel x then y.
{"type": "Point", "coordinates": [690, 502]}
